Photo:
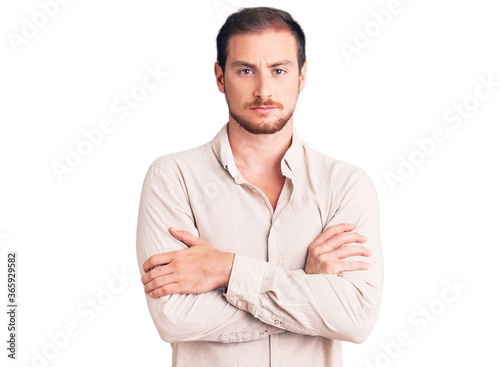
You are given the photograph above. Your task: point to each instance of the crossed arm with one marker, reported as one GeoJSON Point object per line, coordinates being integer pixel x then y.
{"type": "Point", "coordinates": [202, 268]}
{"type": "Point", "coordinates": [196, 292]}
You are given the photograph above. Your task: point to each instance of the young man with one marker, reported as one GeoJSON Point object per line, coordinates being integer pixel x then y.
{"type": "Point", "coordinates": [246, 244]}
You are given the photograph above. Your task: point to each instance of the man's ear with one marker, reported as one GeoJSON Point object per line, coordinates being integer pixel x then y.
{"type": "Point", "coordinates": [219, 77]}
{"type": "Point", "coordinates": [302, 76]}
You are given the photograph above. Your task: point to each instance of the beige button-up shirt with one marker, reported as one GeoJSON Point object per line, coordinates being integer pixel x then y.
{"type": "Point", "coordinates": [272, 313]}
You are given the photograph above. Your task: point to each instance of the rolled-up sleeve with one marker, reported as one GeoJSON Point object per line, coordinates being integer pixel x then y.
{"type": "Point", "coordinates": [185, 317]}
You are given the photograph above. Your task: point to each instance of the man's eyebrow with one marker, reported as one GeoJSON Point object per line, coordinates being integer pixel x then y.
{"type": "Point", "coordinates": [249, 65]}
{"type": "Point", "coordinates": [236, 64]}
{"type": "Point", "coordinates": [280, 63]}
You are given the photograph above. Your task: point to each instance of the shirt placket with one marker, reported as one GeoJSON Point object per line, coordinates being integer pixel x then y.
{"type": "Point", "coordinates": [275, 244]}
{"type": "Point", "coordinates": [276, 253]}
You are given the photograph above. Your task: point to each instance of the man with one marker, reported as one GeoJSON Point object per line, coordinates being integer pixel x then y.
{"type": "Point", "coordinates": [246, 244]}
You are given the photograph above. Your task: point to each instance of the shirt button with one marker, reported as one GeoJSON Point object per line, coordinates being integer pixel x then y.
{"type": "Point", "coordinates": [240, 304]}
{"type": "Point", "coordinates": [277, 322]}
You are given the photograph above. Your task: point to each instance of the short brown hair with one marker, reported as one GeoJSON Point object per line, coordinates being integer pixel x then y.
{"type": "Point", "coordinates": [256, 20]}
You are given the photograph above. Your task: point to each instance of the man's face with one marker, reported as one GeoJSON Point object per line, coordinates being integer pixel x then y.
{"type": "Point", "coordinates": [261, 81]}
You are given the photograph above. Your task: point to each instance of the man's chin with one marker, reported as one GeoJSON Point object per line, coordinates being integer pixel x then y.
{"type": "Point", "coordinates": [261, 127]}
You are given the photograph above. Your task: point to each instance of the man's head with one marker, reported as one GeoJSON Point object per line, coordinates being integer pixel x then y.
{"type": "Point", "coordinates": [258, 20]}
{"type": "Point", "coordinates": [261, 63]}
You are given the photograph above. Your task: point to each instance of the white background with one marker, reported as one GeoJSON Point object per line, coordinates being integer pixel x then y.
{"type": "Point", "coordinates": [73, 235]}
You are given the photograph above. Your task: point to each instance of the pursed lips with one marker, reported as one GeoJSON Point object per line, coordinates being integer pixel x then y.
{"type": "Point", "coordinates": [263, 109]}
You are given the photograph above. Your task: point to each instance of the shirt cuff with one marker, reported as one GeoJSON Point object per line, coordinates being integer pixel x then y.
{"type": "Point", "coordinates": [245, 282]}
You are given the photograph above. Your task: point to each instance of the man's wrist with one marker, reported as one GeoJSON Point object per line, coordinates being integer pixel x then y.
{"type": "Point", "coordinates": [227, 267]}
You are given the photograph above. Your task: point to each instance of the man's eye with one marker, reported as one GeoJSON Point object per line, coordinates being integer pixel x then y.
{"type": "Point", "coordinates": [279, 71]}
{"type": "Point", "coordinates": [245, 71]}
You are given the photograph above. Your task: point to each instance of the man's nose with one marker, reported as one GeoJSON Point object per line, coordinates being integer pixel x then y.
{"type": "Point", "coordinates": [263, 86]}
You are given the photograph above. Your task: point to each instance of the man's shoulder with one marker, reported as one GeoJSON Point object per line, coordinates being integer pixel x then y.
{"type": "Point", "coordinates": [190, 156]}
{"type": "Point", "coordinates": [177, 165]}
{"type": "Point", "coordinates": [320, 163]}
{"type": "Point", "coordinates": [336, 175]}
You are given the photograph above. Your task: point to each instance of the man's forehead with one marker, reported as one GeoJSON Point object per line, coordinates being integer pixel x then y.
{"type": "Point", "coordinates": [272, 44]}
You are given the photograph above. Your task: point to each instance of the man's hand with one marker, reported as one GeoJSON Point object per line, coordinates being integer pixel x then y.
{"type": "Point", "coordinates": [198, 269]}
{"type": "Point", "coordinates": [325, 254]}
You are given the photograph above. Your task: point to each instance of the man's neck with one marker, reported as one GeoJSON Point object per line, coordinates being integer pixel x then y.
{"type": "Point", "coordinates": [260, 154]}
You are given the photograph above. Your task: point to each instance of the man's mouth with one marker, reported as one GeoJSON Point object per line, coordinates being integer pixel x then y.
{"type": "Point", "coordinates": [263, 109]}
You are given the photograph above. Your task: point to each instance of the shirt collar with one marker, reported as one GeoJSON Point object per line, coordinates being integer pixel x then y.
{"type": "Point", "coordinates": [290, 162]}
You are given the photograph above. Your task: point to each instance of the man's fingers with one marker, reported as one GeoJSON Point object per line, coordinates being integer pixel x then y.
{"type": "Point", "coordinates": [158, 259]}
{"type": "Point", "coordinates": [167, 257]}
{"type": "Point", "coordinates": [343, 239]}
{"type": "Point", "coordinates": [330, 265]}
{"type": "Point", "coordinates": [352, 250]}
{"type": "Point", "coordinates": [156, 273]}
{"type": "Point", "coordinates": [337, 242]}
{"type": "Point", "coordinates": [353, 265]}
{"type": "Point", "coordinates": [184, 236]}
{"type": "Point", "coordinates": [165, 290]}
{"type": "Point", "coordinates": [333, 231]}
{"type": "Point", "coordinates": [159, 282]}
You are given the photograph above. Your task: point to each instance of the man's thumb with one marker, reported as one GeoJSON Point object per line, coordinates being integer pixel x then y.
{"type": "Point", "coordinates": [183, 236]}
